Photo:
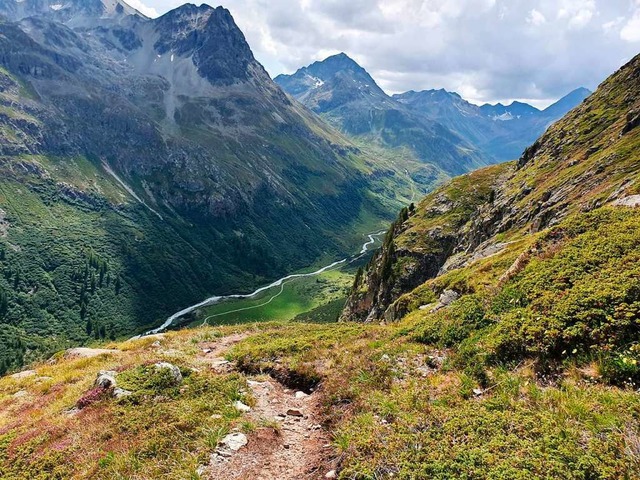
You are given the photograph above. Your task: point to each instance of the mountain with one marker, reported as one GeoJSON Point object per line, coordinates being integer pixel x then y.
{"type": "Point", "coordinates": [343, 93]}
{"type": "Point", "coordinates": [501, 132]}
{"type": "Point", "coordinates": [528, 232]}
{"type": "Point", "coordinates": [566, 103]}
{"type": "Point", "coordinates": [148, 163]}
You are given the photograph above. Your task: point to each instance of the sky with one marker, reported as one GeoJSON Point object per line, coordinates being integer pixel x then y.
{"type": "Point", "coordinates": [486, 50]}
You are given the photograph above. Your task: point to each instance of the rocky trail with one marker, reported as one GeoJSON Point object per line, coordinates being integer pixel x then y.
{"type": "Point", "coordinates": [288, 442]}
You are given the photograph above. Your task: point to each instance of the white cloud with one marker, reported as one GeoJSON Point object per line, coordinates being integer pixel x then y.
{"type": "Point", "coordinates": [631, 31]}
{"type": "Point", "coordinates": [143, 8]}
{"type": "Point", "coordinates": [536, 18]}
{"type": "Point", "coordinates": [578, 13]}
{"type": "Point", "coordinates": [485, 49]}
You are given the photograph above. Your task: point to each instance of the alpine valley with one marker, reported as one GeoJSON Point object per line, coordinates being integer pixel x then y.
{"type": "Point", "coordinates": [147, 165]}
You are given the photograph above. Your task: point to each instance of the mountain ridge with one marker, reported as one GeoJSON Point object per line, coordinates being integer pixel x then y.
{"type": "Point", "coordinates": [350, 100]}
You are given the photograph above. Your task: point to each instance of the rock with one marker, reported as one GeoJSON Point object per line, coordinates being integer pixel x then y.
{"type": "Point", "coordinates": [241, 407]}
{"type": "Point", "coordinates": [385, 358]}
{"type": "Point", "coordinates": [200, 471]}
{"type": "Point", "coordinates": [234, 441]}
{"type": "Point", "coordinates": [301, 395]}
{"type": "Point", "coordinates": [630, 201]}
{"type": "Point", "coordinates": [294, 412]}
{"type": "Point", "coordinates": [175, 371]}
{"type": "Point", "coordinates": [20, 394]}
{"type": "Point", "coordinates": [156, 344]}
{"type": "Point", "coordinates": [331, 474]}
{"type": "Point", "coordinates": [478, 391]}
{"type": "Point", "coordinates": [446, 298]}
{"type": "Point", "coordinates": [106, 379]}
{"type": "Point", "coordinates": [121, 392]}
{"type": "Point", "coordinates": [88, 352]}
{"type": "Point", "coordinates": [24, 374]}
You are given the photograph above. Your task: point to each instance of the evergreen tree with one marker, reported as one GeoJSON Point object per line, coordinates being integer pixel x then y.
{"type": "Point", "coordinates": [4, 303]}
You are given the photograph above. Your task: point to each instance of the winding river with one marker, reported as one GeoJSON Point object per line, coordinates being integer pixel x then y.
{"type": "Point", "coordinates": [278, 283]}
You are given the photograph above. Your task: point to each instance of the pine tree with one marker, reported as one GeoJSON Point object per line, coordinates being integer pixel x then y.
{"type": "Point", "coordinates": [4, 303]}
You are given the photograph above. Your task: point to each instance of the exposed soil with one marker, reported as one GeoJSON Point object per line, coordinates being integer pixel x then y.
{"type": "Point", "coordinates": [289, 442]}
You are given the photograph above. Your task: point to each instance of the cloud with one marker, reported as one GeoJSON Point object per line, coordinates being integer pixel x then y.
{"type": "Point", "coordinates": [143, 8]}
{"type": "Point", "coordinates": [536, 18]}
{"type": "Point", "coordinates": [487, 50]}
{"type": "Point", "coordinates": [631, 31]}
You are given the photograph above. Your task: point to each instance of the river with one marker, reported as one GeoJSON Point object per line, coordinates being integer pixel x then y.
{"type": "Point", "coordinates": [371, 240]}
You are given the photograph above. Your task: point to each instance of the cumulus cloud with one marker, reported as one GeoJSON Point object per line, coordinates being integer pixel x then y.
{"type": "Point", "coordinates": [631, 31]}
{"type": "Point", "coordinates": [487, 50]}
{"type": "Point", "coordinates": [143, 8]}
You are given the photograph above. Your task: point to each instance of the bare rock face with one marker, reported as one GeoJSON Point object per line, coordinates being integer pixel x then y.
{"type": "Point", "coordinates": [630, 201]}
{"type": "Point", "coordinates": [82, 352]}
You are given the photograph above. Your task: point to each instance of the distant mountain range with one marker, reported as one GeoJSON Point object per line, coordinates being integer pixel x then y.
{"type": "Point", "coordinates": [348, 97]}
{"type": "Point", "coordinates": [343, 93]}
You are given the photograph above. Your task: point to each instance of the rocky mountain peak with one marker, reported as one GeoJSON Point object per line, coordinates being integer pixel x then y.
{"type": "Point", "coordinates": [219, 49]}
{"type": "Point", "coordinates": [72, 12]}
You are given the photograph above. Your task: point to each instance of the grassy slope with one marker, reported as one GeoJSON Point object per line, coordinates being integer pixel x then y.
{"type": "Point", "coordinates": [159, 432]}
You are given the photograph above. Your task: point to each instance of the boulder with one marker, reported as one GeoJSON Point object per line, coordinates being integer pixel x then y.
{"type": "Point", "coordinates": [446, 298]}
{"type": "Point", "coordinates": [241, 407]}
{"type": "Point", "coordinates": [234, 441]}
{"type": "Point", "coordinates": [175, 371]}
{"type": "Point", "coordinates": [24, 374]}
{"type": "Point", "coordinates": [88, 352]}
{"type": "Point", "coordinates": [120, 392]}
{"type": "Point", "coordinates": [106, 379]}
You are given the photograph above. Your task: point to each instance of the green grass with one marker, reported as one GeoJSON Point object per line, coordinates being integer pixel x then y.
{"type": "Point", "coordinates": [295, 297]}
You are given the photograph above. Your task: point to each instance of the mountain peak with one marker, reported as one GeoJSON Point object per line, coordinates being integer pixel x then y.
{"type": "Point", "coordinates": [69, 11]}
{"type": "Point", "coordinates": [337, 73]}
{"type": "Point", "coordinates": [336, 63]}
{"type": "Point", "coordinates": [570, 100]}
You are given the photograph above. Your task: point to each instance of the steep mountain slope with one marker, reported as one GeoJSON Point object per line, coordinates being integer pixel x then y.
{"type": "Point", "coordinates": [500, 131]}
{"type": "Point", "coordinates": [546, 245]}
{"type": "Point", "coordinates": [345, 94]}
{"type": "Point", "coordinates": [147, 164]}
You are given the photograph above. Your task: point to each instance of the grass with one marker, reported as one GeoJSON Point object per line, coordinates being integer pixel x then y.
{"type": "Point", "coordinates": [398, 409]}
{"type": "Point", "coordinates": [161, 431]}
{"type": "Point", "coordinates": [295, 297]}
